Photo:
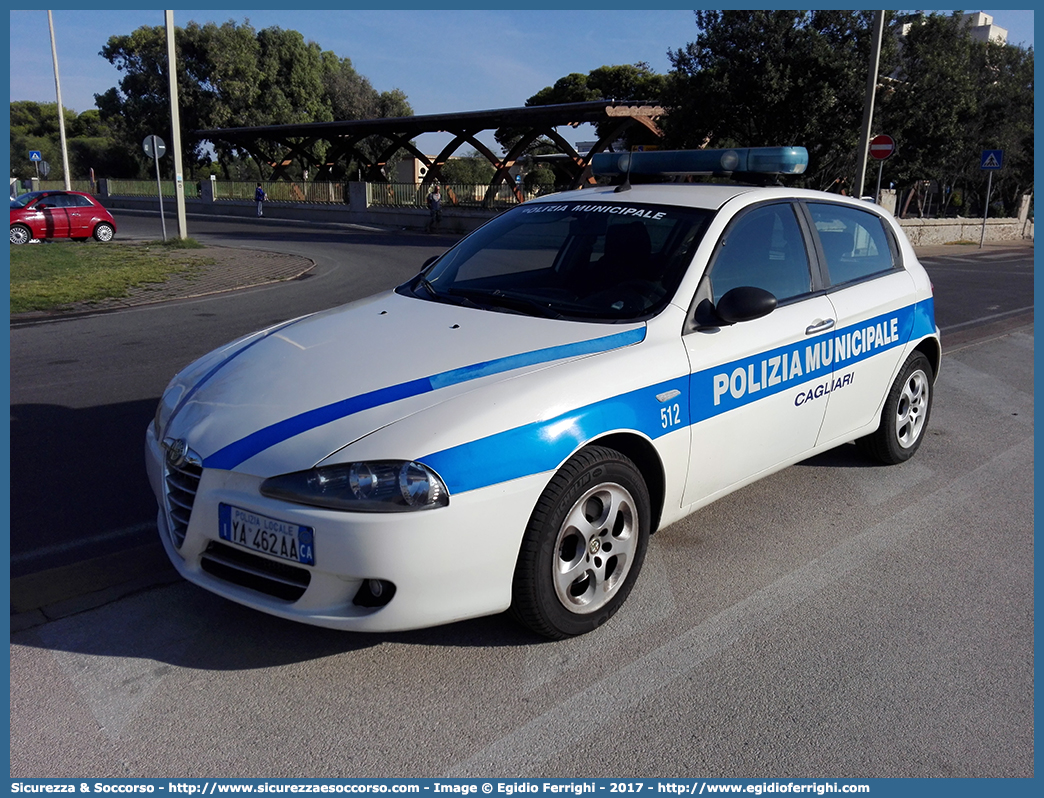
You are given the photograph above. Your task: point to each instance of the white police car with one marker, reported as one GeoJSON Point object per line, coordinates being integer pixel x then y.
{"type": "Point", "coordinates": [507, 429]}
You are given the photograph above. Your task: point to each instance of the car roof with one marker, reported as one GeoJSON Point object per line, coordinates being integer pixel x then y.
{"type": "Point", "coordinates": [50, 192]}
{"type": "Point", "coordinates": [708, 196]}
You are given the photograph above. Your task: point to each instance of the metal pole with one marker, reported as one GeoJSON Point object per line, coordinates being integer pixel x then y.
{"type": "Point", "coordinates": [175, 126]}
{"type": "Point", "coordinates": [868, 103]}
{"type": "Point", "coordinates": [985, 213]}
{"type": "Point", "coordinates": [159, 187]}
{"type": "Point", "coordinates": [61, 113]}
{"type": "Point", "coordinates": [877, 193]}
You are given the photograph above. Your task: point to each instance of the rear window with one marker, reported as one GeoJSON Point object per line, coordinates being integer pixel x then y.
{"type": "Point", "coordinates": [855, 243]}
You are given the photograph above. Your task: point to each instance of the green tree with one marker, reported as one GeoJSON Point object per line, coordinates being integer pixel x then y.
{"type": "Point", "coordinates": [787, 78]}
{"type": "Point", "coordinates": [469, 170]}
{"type": "Point", "coordinates": [89, 142]}
{"type": "Point", "coordinates": [633, 83]}
{"type": "Point", "coordinates": [951, 98]}
{"type": "Point", "coordinates": [231, 75]}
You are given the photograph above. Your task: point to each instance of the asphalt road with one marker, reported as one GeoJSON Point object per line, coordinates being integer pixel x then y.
{"type": "Point", "coordinates": [84, 389]}
{"type": "Point", "coordinates": [834, 619]}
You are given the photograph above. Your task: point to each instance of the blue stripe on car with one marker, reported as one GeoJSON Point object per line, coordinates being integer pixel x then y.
{"type": "Point", "coordinates": [242, 450]}
{"type": "Point", "coordinates": [543, 446]}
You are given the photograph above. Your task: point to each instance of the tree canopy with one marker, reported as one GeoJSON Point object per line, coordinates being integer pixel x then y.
{"type": "Point", "coordinates": [231, 75]}
{"type": "Point", "coordinates": [34, 126]}
{"type": "Point", "coordinates": [756, 78]}
{"type": "Point", "coordinates": [753, 78]}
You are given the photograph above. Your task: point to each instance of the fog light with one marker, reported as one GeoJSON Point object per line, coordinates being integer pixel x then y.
{"type": "Point", "coordinates": [374, 593]}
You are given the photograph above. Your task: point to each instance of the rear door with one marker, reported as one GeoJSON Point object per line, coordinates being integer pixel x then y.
{"type": "Point", "coordinates": [872, 297]}
{"type": "Point", "coordinates": [82, 213]}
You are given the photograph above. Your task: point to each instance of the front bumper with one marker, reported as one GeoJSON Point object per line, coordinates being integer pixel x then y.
{"type": "Point", "coordinates": [445, 564]}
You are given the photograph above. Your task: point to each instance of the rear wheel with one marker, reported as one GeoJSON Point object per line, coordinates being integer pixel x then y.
{"type": "Point", "coordinates": [584, 546]}
{"type": "Point", "coordinates": [20, 234]}
{"type": "Point", "coordinates": [104, 232]}
{"type": "Point", "coordinates": [905, 415]}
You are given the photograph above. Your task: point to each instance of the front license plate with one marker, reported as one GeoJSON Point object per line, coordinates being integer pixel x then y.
{"type": "Point", "coordinates": [267, 535]}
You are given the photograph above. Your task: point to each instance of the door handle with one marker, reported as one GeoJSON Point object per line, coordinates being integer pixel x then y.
{"type": "Point", "coordinates": [819, 326]}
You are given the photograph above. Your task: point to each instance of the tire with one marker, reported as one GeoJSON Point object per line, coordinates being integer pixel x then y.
{"type": "Point", "coordinates": [584, 545]}
{"type": "Point", "coordinates": [20, 234]}
{"type": "Point", "coordinates": [104, 232]}
{"type": "Point", "coordinates": [905, 415]}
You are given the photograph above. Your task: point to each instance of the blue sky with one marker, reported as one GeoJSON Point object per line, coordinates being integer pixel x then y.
{"type": "Point", "coordinates": [445, 61]}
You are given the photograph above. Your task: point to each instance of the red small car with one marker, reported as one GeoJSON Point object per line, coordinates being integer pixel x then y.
{"type": "Point", "coordinates": [59, 214]}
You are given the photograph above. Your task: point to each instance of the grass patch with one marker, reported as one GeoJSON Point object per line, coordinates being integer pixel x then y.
{"type": "Point", "coordinates": [56, 273]}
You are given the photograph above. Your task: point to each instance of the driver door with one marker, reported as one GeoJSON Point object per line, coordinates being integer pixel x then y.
{"type": "Point", "coordinates": [750, 380]}
{"type": "Point", "coordinates": [53, 216]}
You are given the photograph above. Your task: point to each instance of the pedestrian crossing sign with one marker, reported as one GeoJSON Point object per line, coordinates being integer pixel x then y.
{"type": "Point", "coordinates": [992, 159]}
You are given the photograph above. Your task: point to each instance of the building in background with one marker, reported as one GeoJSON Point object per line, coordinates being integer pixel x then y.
{"type": "Point", "coordinates": [983, 29]}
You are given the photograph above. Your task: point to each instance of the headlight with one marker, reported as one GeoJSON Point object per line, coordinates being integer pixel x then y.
{"type": "Point", "coordinates": [377, 487]}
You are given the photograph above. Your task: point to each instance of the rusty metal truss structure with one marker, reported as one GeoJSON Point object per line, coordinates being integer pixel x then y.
{"type": "Point", "coordinates": [323, 145]}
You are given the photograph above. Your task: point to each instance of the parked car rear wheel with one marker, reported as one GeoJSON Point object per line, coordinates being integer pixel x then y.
{"type": "Point", "coordinates": [104, 232]}
{"type": "Point", "coordinates": [905, 415]}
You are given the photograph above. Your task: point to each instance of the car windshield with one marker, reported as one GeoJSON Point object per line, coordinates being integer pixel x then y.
{"type": "Point", "coordinates": [23, 200]}
{"type": "Point", "coordinates": [590, 261]}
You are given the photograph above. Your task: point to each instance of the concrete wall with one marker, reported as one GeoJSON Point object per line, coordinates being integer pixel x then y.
{"type": "Point", "coordinates": [921, 232]}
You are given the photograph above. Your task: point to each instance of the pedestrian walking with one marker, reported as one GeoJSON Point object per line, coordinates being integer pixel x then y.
{"type": "Point", "coordinates": [259, 197]}
{"type": "Point", "coordinates": [434, 209]}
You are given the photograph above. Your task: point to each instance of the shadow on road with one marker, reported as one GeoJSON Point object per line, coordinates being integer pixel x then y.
{"type": "Point", "coordinates": [78, 475]}
{"type": "Point", "coordinates": [185, 626]}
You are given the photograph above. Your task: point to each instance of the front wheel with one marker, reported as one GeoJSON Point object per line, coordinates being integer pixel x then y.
{"type": "Point", "coordinates": [584, 546]}
{"type": "Point", "coordinates": [20, 234]}
{"type": "Point", "coordinates": [104, 232]}
{"type": "Point", "coordinates": [905, 415]}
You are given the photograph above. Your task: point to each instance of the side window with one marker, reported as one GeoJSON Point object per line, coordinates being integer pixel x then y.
{"type": "Point", "coordinates": [855, 242]}
{"type": "Point", "coordinates": [764, 248]}
{"type": "Point", "coordinates": [76, 201]}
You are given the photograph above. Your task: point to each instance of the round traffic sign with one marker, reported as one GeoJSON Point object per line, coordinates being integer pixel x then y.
{"type": "Point", "coordinates": [881, 147]}
{"type": "Point", "coordinates": [154, 151]}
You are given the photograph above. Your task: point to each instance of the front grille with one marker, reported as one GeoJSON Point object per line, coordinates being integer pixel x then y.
{"type": "Point", "coordinates": [276, 579]}
{"type": "Point", "coordinates": [182, 484]}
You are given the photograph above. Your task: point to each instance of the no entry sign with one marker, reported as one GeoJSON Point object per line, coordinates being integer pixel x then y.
{"type": "Point", "coordinates": [881, 147]}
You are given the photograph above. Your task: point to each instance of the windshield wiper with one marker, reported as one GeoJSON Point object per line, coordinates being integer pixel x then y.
{"type": "Point", "coordinates": [425, 283]}
{"type": "Point", "coordinates": [516, 302]}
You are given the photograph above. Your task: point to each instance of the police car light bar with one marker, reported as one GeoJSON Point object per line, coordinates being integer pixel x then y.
{"type": "Point", "coordinates": [745, 160]}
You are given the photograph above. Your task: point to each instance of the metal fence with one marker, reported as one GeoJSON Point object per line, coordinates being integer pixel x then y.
{"type": "Point", "coordinates": [415, 195]}
{"type": "Point", "coordinates": [384, 195]}
{"type": "Point", "coordinates": [283, 191]}
{"type": "Point", "coordinates": [74, 185]}
{"type": "Point", "coordinates": [147, 188]}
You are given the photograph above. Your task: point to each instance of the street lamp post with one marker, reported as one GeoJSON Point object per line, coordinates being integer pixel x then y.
{"type": "Point", "coordinates": [868, 103]}
{"type": "Point", "coordinates": [61, 113]}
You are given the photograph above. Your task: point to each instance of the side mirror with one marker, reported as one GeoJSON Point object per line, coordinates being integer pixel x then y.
{"type": "Point", "coordinates": [744, 303]}
{"type": "Point", "coordinates": [429, 261]}
{"type": "Point", "coordinates": [43, 206]}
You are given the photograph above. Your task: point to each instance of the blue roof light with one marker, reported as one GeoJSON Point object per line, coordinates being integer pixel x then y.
{"type": "Point", "coordinates": [749, 160]}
